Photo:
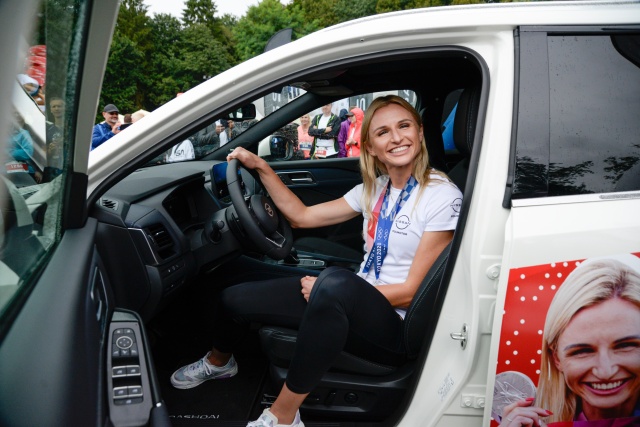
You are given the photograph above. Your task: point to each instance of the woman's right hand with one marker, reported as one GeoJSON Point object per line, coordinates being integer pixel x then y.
{"type": "Point", "coordinates": [307, 283]}
{"type": "Point", "coordinates": [523, 414]}
{"type": "Point", "coordinates": [247, 158]}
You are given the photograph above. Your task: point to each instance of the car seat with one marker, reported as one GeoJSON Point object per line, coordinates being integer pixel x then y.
{"type": "Point", "coordinates": [355, 387]}
{"type": "Point", "coordinates": [464, 129]}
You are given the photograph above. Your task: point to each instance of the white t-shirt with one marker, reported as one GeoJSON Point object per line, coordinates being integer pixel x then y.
{"type": "Point", "coordinates": [223, 138]}
{"type": "Point", "coordinates": [325, 147]}
{"type": "Point", "coordinates": [181, 151]}
{"type": "Point", "coordinates": [435, 209]}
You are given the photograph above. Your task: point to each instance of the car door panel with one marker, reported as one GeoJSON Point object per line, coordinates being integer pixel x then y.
{"type": "Point", "coordinates": [321, 181]}
{"type": "Point", "coordinates": [51, 358]}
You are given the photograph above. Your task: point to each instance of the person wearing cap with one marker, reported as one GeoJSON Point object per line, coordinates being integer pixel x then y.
{"type": "Point", "coordinates": [104, 131]}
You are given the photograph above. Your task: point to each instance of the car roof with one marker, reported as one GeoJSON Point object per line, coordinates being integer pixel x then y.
{"type": "Point", "coordinates": [419, 28]}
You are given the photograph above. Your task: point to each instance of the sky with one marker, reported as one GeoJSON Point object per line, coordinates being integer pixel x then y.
{"type": "Point", "coordinates": [174, 7]}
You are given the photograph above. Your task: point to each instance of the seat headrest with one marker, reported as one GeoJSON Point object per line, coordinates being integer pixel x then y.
{"type": "Point", "coordinates": [464, 125]}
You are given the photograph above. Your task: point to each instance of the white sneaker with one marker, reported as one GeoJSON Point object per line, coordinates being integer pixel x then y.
{"type": "Point", "coordinates": [198, 372]}
{"type": "Point", "coordinates": [267, 419]}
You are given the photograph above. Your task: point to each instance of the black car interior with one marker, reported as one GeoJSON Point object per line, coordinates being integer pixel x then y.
{"type": "Point", "coordinates": [169, 243]}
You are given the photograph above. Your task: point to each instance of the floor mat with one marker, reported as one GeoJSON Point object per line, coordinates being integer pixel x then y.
{"type": "Point", "coordinates": [223, 400]}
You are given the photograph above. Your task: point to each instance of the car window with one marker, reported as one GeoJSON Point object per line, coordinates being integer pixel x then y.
{"type": "Point", "coordinates": [37, 149]}
{"type": "Point", "coordinates": [578, 115]}
{"type": "Point", "coordinates": [289, 142]}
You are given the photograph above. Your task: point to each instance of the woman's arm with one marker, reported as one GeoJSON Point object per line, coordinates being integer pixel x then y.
{"type": "Point", "coordinates": [431, 245]}
{"type": "Point", "coordinates": [298, 214]}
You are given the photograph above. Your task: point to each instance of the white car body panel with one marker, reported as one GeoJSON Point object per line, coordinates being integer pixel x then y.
{"type": "Point", "coordinates": [495, 239]}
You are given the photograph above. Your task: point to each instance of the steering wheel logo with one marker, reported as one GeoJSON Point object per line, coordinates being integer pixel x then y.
{"type": "Point", "coordinates": [269, 209]}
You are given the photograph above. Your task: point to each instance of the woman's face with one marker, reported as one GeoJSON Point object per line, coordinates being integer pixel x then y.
{"type": "Point", "coordinates": [351, 119]}
{"type": "Point", "coordinates": [599, 355]}
{"type": "Point", "coordinates": [304, 120]}
{"type": "Point", "coordinates": [394, 136]}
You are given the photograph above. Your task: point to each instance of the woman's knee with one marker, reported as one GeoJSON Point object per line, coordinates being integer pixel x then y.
{"type": "Point", "coordinates": [333, 283]}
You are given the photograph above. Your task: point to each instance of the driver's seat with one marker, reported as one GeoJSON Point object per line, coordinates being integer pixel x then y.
{"type": "Point", "coordinates": [355, 387]}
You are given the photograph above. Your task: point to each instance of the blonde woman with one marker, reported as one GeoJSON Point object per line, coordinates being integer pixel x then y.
{"type": "Point", "coordinates": [590, 351]}
{"type": "Point", "coordinates": [305, 141]}
{"type": "Point", "coordinates": [409, 220]}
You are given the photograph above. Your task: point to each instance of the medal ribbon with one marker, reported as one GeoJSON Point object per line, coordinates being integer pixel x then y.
{"type": "Point", "coordinates": [385, 220]}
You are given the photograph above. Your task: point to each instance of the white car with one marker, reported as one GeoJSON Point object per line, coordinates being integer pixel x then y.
{"type": "Point", "coordinates": [109, 267]}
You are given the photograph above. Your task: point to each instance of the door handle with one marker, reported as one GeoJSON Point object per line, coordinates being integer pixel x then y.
{"type": "Point", "coordinates": [296, 177]}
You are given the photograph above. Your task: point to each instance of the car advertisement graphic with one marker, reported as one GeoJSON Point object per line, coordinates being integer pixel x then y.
{"type": "Point", "coordinates": [569, 346]}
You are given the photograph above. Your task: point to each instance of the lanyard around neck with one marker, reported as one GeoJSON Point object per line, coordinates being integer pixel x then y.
{"type": "Point", "coordinates": [385, 221]}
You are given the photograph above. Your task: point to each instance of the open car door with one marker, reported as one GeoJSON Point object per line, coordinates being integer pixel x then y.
{"type": "Point", "coordinates": [58, 327]}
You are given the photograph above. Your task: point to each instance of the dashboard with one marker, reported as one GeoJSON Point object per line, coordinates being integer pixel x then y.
{"type": "Point", "coordinates": [163, 225]}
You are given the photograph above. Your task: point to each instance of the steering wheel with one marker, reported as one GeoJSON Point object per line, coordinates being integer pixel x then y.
{"type": "Point", "coordinates": [260, 219]}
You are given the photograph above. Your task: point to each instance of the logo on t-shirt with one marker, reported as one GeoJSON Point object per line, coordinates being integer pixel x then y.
{"type": "Point", "coordinates": [456, 205]}
{"type": "Point", "coordinates": [402, 222]}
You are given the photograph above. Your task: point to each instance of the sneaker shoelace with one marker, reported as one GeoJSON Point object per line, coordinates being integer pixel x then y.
{"type": "Point", "coordinates": [198, 368]}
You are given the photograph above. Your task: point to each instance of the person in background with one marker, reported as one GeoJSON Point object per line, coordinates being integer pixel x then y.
{"type": "Point", "coordinates": [55, 140]}
{"type": "Point", "coordinates": [305, 141]}
{"type": "Point", "coordinates": [138, 115]}
{"type": "Point", "coordinates": [19, 153]}
{"type": "Point", "coordinates": [324, 129]}
{"type": "Point", "coordinates": [102, 132]}
{"type": "Point", "coordinates": [126, 121]}
{"type": "Point", "coordinates": [29, 84]}
{"type": "Point", "coordinates": [362, 312]}
{"type": "Point", "coordinates": [344, 130]}
{"type": "Point", "coordinates": [181, 152]}
{"type": "Point", "coordinates": [356, 115]}
{"type": "Point", "coordinates": [56, 111]}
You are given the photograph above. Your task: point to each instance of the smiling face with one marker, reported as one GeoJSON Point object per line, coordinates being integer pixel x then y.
{"type": "Point", "coordinates": [394, 138]}
{"type": "Point", "coordinates": [599, 355]}
{"type": "Point", "coordinates": [304, 120]}
{"type": "Point", "coordinates": [111, 118]}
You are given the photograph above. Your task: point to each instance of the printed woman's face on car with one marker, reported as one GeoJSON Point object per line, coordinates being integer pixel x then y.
{"type": "Point", "coordinates": [599, 355]}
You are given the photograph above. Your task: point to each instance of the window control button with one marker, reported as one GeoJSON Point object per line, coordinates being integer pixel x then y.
{"type": "Point", "coordinates": [128, 401]}
{"type": "Point", "coordinates": [133, 370]}
{"type": "Point", "coordinates": [120, 392]}
{"type": "Point", "coordinates": [135, 391]}
{"type": "Point", "coordinates": [119, 371]}
{"type": "Point", "coordinates": [134, 350]}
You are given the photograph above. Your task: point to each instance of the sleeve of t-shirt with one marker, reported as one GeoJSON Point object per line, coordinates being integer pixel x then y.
{"type": "Point", "coordinates": [443, 203]}
{"type": "Point", "coordinates": [354, 197]}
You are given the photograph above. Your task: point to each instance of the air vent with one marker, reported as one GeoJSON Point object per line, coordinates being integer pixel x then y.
{"type": "Point", "coordinates": [159, 235]}
{"type": "Point", "coordinates": [109, 204]}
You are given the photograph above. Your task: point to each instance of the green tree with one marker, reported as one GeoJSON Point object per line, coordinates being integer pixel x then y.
{"type": "Point", "coordinates": [254, 30]}
{"type": "Point", "coordinates": [204, 12]}
{"type": "Point", "coordinates": [166, 61]}
{"type": "Point", "coordinates": [124, 71]}
{"type": "Point", "coordinates": [199, 12]}
{"type": "Point", "coordinates": [203, 56]}
{"type": "Point", "coordinates": [321, 12]}
{"type": "Point", "coordinates": [346, 10]}
{"type": "Point", "coordinates": [127, 76]}
{"type": "Point", "coordinates": [134, 23]}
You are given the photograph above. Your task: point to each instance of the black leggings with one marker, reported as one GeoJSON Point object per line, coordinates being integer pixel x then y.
{"type": "Point", "coordinates": [344, 312]}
